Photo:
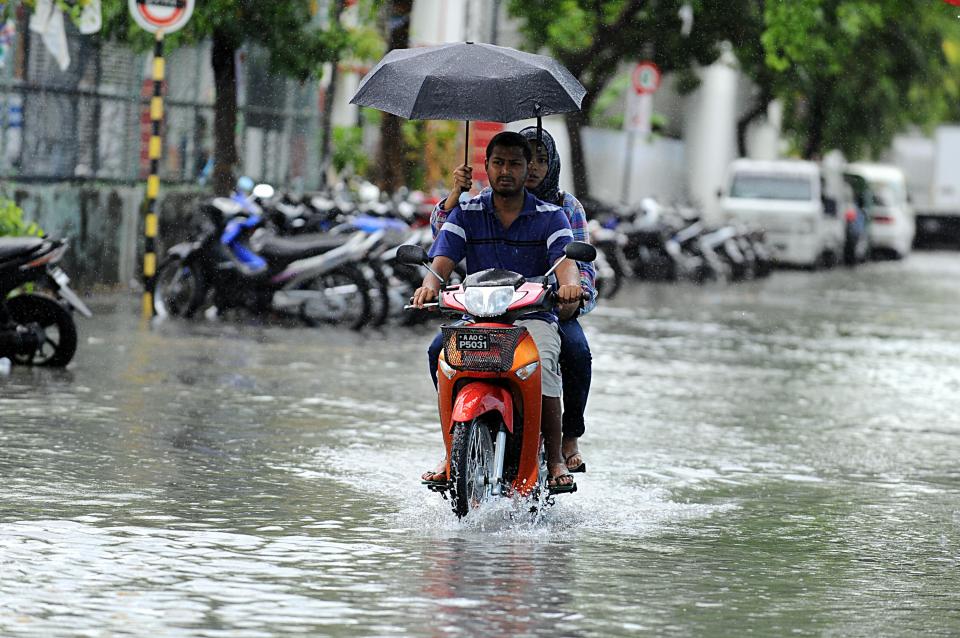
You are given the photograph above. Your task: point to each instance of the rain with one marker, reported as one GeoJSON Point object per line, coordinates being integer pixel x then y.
{"type": "Point", "coordinates": [217, 416]}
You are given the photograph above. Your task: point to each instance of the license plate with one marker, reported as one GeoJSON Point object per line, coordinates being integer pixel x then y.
{"type": "Point", "coordinates": [473, 342]}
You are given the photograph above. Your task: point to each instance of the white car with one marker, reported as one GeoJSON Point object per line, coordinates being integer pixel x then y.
{"type": "Point", "coordinates": [892, 224]}
{"type": "Point", "coordinates": [787, 199]}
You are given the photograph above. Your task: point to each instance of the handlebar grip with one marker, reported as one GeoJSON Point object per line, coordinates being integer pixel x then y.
{"type": "Point", "coordinates": [583, 296]}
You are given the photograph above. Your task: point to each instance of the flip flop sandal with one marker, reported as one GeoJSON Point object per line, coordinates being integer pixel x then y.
{"type": "Point", "coordinates": [562, 489]}
{"type": "Point", "coordinates": [580, 468]}
{"type": "Point", "coordinates": [438, 479]}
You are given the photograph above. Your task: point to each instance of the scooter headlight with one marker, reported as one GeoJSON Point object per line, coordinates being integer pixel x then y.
{"type": "Point", "coordinates": [488, 301]}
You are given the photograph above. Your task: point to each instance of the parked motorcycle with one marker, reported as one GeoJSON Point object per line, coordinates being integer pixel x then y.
{"type": "Point", "coordinates": [311, 277]}
{"type": "Point", "coordinates": [489, 385]}
{"type": "Point", "coordinates": [37, 329]}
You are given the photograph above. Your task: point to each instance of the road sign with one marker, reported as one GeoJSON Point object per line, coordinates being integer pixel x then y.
{"type": "Point", "coordinates": [646, 78]}
{"type": "Point", "coordinates": [639, 113]}
{"type": "Point", "coordinates": [161, 15]}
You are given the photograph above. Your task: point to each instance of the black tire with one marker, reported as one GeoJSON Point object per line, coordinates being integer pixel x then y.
{"type": "Point", "coordinates": [57, 323]}
{"type": "Point", "coordinates": [471, 466]}
{"type": "Point", "coordinates": [180, 289]}
{"type": "Point", "coordinates": [347, 295]}
{"type": "Point", "coordinates": [379, 293]}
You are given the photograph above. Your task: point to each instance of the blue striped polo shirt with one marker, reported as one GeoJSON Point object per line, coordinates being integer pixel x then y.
{"type": "Point", "coordinates": [534, 241]}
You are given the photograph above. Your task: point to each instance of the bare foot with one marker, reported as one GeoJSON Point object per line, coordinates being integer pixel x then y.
{"type": "Point", "coordinates": [437, 474]}
{"type": "Point", "coordinates": [559, 476]}
{"type": "Point", "coordinates": [571, 452]}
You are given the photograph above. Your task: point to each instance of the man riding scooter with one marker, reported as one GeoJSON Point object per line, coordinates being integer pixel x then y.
{"type": "Point", "coordinates": [511, 229]}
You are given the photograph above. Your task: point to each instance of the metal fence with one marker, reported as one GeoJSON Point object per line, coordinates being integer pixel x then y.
{"type": "Point", "coordinates": [91, 122]}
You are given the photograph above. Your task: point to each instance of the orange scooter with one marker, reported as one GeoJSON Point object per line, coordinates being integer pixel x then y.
{"type": "Point", "coordinates": [489, 384]}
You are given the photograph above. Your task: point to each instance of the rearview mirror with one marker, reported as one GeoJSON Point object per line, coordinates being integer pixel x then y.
{"type": "Point", "coordinates": [263, 191]}
{"type": "Point", "coordinates": [411, 255]}
{"type": "Point", "coordinates": [580, 251]}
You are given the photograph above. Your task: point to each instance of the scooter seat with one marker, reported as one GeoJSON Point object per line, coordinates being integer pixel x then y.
{"type": "Point", "coordinates": [11, 247]}
{"type": "Point", "coordinates": [284, 249]}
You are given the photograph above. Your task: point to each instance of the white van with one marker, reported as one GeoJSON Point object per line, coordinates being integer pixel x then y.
{"type": "Point", "coordinates": [892, 224]}
{"type": "Point", "coordinates": [787, 199]}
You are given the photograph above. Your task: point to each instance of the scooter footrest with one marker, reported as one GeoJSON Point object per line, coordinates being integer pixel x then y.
{"type": "Point", "coordinates": [563, 489]}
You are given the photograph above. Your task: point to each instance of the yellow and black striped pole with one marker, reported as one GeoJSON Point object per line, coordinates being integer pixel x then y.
{"type": "Point", "coordinates": [153, 180]}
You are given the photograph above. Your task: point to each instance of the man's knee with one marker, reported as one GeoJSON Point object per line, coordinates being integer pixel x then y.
{"type": "Point", "coordinates": [433, 351]}
{"type": "Point", "coordinates": [574, 347]}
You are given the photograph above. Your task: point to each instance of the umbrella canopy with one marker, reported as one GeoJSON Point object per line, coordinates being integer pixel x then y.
{"type": "Point", "coordinates": [467, 81]}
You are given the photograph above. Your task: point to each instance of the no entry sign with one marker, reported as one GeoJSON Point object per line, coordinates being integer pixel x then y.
{"type": "Point", "coordinates": [645, 78]}
{"type": "Point", "coordinates": [161, 15]}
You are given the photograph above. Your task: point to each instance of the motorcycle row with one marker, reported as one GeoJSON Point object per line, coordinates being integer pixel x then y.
{"type": "Point", "coordinates": [654, 242]}
{"type": "Point", "coordinates": [330, 257]}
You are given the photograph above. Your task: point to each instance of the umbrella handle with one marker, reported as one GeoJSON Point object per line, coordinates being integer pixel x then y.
{"type": "Point", "coordinates": [466, 149]}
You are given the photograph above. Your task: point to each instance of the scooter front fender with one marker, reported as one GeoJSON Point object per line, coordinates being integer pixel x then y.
{"type": "Point", "coordinates": [480, 397]}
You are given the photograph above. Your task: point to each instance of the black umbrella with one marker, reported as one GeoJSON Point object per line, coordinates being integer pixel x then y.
{"type": "Point", "coordinates": [467, 81]}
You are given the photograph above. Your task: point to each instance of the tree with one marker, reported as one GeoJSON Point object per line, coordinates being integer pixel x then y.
{"type": "Point", "coordinates": [592, 38]}
{"type": "Point", "coordinates": [298, 48]}
{"type": "Point", "coordinates": [850, 73]}
{"type": "Point", "coordinates": [390, 159]}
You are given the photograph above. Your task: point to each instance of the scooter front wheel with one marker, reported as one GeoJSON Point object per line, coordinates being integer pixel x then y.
{"type": "Point", "coordinates": [471, 466]}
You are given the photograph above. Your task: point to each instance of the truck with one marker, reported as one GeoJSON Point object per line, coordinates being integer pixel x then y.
{"type": "Point", "coordinates": [795, 202]}
{"type": "Point", "coordinates": [932, 170]}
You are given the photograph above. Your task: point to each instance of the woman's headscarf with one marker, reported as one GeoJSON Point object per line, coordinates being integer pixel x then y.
{"type": "Point", "coordinates": [549, 188]}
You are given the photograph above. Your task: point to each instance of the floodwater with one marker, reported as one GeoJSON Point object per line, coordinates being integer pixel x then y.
{"type": "Point", "coordinates": [773, 458]}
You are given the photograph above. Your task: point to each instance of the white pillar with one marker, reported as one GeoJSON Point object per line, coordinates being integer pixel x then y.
{"type": "Point", "coordinates": [437, 21]}
{"type": "Point", "coordinates": [711, 136]}
{"type": "Point", "coordinates": [763, 137]}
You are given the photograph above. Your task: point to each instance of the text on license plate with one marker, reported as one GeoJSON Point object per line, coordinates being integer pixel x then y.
{"type": "Point", "coordinates": [473, 342]}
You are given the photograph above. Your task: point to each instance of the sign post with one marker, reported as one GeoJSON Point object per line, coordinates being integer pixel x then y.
{"type": "Point", "coordinates": [158, 17]}
{"type": "Point", "coordinates": [645, 80]}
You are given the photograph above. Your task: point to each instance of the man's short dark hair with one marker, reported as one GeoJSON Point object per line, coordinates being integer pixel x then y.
{"type": "Point", "coordinates": [509, 139]}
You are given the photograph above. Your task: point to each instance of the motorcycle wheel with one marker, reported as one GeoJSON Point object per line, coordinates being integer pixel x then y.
{"type": "Point", "coordinates": [179, 290]}
{"type": "Point", "coordinates": [379, 285]}
{"type": "Point", "coordinates": [346, 298]}
{"type": "Point", "coordinates": [471, 466]}
{"type": "Point", "coordinates": [61, 332]}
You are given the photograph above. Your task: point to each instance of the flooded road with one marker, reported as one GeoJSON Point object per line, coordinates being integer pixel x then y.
{"type": "Point", "coordinates": [773, 458]}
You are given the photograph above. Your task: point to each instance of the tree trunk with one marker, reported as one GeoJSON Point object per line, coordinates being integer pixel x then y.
{"type": "Point", "coordinates": [581, 182]}
{"type": "Point", "coordinates": [222, 58]}
{"type": "Point", "coordinates": [391, 156]}
{"type": "Point", "coordinates": [815, 125]}
{"type": "Point", "coordinates": [328, 100]}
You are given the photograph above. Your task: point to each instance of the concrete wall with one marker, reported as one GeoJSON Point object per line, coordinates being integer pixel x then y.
{"type": "Point", "coordinates": [104, 225]}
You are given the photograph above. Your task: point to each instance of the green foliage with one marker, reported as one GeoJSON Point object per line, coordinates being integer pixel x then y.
{"type": "Point", "coordinates": [348, 151]}
{"type": "Point", "coordinates": [592, 37]}
{"type": "Point", "coordinates": [299, 43]}
{"type": "Point", "coordinates": [852, 73]}
{"type": "Point", "coordinates": [12, 223]}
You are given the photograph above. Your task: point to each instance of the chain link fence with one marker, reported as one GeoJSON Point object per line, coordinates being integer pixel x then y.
{"type": "Point", "coordinates": [91, 122]}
